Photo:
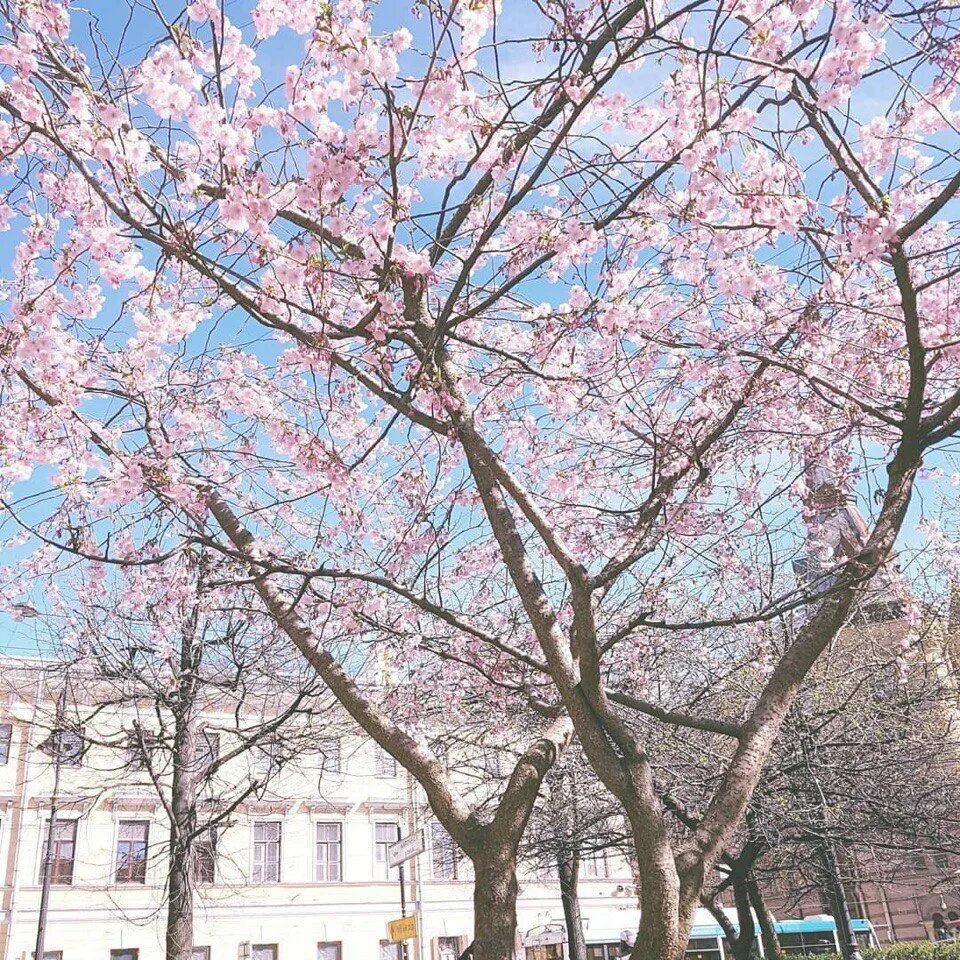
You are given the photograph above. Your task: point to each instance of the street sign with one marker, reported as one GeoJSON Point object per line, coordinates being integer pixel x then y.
{"type": "Point", "coordinates": [403, 929]}
{"type": "Point", "coordinates": [406, 848]}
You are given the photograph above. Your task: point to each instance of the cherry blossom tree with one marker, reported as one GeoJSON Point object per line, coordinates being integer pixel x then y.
{"type": "Point", "coordinates": [499, 338]}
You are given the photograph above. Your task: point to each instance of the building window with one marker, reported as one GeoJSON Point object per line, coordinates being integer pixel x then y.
{"type": "Point", "coordinates": [269, 755]}
{"type": "Point", "coordinates": [816, 942]}
{"type": "Point", "coordinates": [265, 951]}
{"type": "Point", "coordinates": [205, 858]}
{"type": "Point", "coordinates": [329, 853]}
{"type": "Point", "coordinates": [6, 735]}
{"type": "Point", "coordinates": [266, 852]}
{"type": "Point", "coordinates": [208, 750]}
{"type": "Point", "coordinates": [200, 953]}
{"type": "Point", "coordinates": [330, 951]}
{"type": "Point", "coordinates": [140, 748]}
{"type": "Point", "coordinates": [126, 953]}
{"type": "Point", "coordinates": [595, 866]}
{"type": "Point", "coordinates": [330, 755]}
{"type": "Point", "coordinates": [132, 851]}
{"type": "Point", "coordinates": [605, 951]}
{"type": "Point", "coordinates": [49, 954]}
{"type": "Point", "coordinates": [390, 950]}
{"type": "Point", "coordinates": [63, 852]}
{"type": "Point", "coordinates": [385, 834]}
{"type": "Point", "coordinates": [66, 746]}
{"type": "Point", "coordinates": [448, 948]}
{"type": "Point", "coordinates": [443, 853]}
{"type": "Point", "coordinates": [545, 951]}
{"type": "Point", "coordinates": [386, 764]}
{"type": "Point", "coordinates": [704, 948]}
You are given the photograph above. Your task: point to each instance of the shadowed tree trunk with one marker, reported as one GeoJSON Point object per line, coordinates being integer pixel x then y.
{"type": "Point", "coordinates": [747, 933]}
{"type": "Point", "coordinates": [768, 933]}
{"type": "Point", "coordinates": [569, 870]}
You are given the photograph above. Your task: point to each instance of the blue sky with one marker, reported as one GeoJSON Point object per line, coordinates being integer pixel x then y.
{"type": "Point", "coordinates": [285, 48]}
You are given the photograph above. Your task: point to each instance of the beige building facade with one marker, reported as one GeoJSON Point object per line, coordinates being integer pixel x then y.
{"type": "Point", "coordinates": [298, 870]}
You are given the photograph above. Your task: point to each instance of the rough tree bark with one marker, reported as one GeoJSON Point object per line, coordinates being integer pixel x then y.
{"type": "Point", "coordinates": [495, 903]}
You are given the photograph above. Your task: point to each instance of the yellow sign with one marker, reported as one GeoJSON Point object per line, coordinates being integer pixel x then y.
{"type": "Point", "coordinates": [403, 929]}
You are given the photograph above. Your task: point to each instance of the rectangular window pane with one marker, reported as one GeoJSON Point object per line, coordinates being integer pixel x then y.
{"type": "Point", "coordinates": [6, 735]}
{"type": "Point", "coordinates": [132, 851]}
{"type": "Point", "coordinates": [329, 853]}
{"type": "Point", "coordinates": [390, 950]}
{"type": "Point", "coordinates": [205, 858]}
{"type": "Point", "coordinates": [127, 953]}
{"type": "Point", "coordinates": [63, 853]}
{"type": "Point", "coordinates": [384, 835]}
{"type": "Point", "coordinates": [140, 749]}
{"type": "Point", "coordinates": [329, 951]}
{"type": "Point", "coordinates": [201, 953]}
{"type": "Point", "coordinates": [208, 749]}
{"type": "Point", "coordinates": [448, 948]}
{"type": "Point", "coordinates": [386, 765]}
{"type": "Point", "coordinates": [265, 951]}
{"type": "Point", "coordinates": [66, 746]}
{"type": "Point", "coordinates": [269, 754]}
{"type": "Point", "coordinates": [443, 853]}
{"type": "Point", "coordinates": [266, 852]}
{"type": "Point", "coordinates": [330, 755]}
{"type": "Point", "coordinates": [595, 865]}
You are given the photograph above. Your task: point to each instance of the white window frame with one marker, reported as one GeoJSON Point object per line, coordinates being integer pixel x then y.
{"type": "Point", "coordinates": [599, 868]}
{"type": "Point", "coordinates": [324, 822]}
{"type": "Point", "coordinates": [209, 836]}
{"type": "Point", "coordinates": [384, 764]}
{"type": "Point", "coordinates": [397, 948]}
{"type": "Point", "coordinates": [203, 739]}
{"type": "Point", "coordinates": [437, 829]}
{"type": "Point", "coordinates": [324, 765]}
{"type": "Point", "coordinates": [389, 874]}
{"type": "Point", "coordinates": [253, 845]}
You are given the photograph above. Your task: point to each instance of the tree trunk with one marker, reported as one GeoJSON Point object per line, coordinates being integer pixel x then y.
{"type": "Point", "coordinates": [746, 935]}
{"type": "Point", "coordinates": [183, 805]}
{"type": "Point", "coordinates": [663, 933]}
{"type": "Point", "coordinates": [495, 892]}
{"type": "Point", "coordinates": [768, 933]}
{"type": "Point", "coordinates": [569, 870]}
{"type": "Point", "coordinates": [179, 934]}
